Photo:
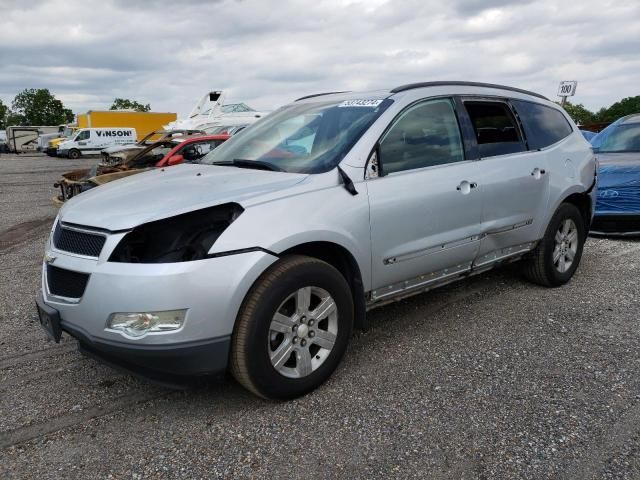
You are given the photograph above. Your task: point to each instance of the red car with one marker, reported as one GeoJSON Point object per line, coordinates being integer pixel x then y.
{"type": "Point", "coordinates": [185, 149]}
{"type": "Point", "coordinates": [191, 149]}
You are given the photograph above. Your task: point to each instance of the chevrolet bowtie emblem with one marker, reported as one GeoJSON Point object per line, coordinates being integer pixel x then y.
{"type": "Point", "coordinates": [49, 257]}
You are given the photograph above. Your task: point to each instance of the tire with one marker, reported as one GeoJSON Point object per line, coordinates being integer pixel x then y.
{"type": "Point", "coordinates": [74, 154]}
{"type": "Point", "coordinates": [541, 267]}
{"type": "Point", "coordinates": [259, 359]}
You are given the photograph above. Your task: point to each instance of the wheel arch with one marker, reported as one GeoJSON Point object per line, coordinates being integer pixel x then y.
{"type": "Point", "coordinates": [342, 260]}
{"type": "Point", "coordinates": [582, 201]}
{"type": "Point", "coordinates": [580, 198]}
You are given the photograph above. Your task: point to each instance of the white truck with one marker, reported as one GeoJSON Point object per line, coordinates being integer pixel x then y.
{"type": "Point", "coordinates": [89, 141]}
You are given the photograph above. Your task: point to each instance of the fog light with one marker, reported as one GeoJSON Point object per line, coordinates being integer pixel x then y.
{"type": "Point", "coordinates": [139, 324]}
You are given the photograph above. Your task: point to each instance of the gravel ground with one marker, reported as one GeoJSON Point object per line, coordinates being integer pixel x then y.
{"type": "Point", "coordinates": [488, 378]}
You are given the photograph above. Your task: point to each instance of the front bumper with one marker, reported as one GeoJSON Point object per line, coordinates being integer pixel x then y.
{"type": "Point", "coordinates": [211, 291]}
{"type": "Point", "coordinates": [166, 364]}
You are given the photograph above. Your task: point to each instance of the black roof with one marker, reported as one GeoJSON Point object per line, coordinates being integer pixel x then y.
{"type": "Point", "coordinates": [319, 95]}
{"type": "Point", "coordinates": [411, 86]}
{"type": "Point", "coordinates": [443, 83]}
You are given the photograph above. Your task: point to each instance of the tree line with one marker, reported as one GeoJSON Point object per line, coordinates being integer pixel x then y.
{"type": "Point", "coordinates": [584, 116]}
{"type": "Point", "coordinates": [38, 106]}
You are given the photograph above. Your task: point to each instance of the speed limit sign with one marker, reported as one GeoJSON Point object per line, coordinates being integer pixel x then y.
{"type": "Point", "coordinates": [567, 88]}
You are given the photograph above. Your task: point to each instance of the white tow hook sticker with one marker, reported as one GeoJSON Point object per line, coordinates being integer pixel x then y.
{"type": "Point", "coordinates": [364, 102]}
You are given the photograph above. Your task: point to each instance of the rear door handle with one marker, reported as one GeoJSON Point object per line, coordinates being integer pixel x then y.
{"type": "Point", "coordinates": [538, 172]}
{"type": "Point", "coordinates": [465, 187]}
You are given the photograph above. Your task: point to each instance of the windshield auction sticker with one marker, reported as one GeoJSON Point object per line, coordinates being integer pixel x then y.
{"type": "Point", "coordinates": [363, 102]}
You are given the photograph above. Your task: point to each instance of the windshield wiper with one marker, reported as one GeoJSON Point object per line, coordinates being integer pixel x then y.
{"type": "Point", "coordinates": [255, 164]}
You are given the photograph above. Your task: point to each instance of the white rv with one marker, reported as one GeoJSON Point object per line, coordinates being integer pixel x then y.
{"type": "Point", "coordinates": [25, 139]}
{"type": "Point", "coordinates": [89, 141]}
{"type": "Point", "coordinates": [211, 113]}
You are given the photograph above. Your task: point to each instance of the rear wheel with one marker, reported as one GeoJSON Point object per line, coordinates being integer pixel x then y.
{"type": "Point", "coordinates": [556, 258]}
{"type": "Point", "coordinates": [293, 328]}
{"type": "Point", "coordinates": [74, 154]}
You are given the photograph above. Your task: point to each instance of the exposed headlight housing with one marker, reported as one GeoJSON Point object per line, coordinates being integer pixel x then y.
{"type": "Point", "coordinates": [182, 238]}
{"type": "Point", "coordinates": [137, 324]}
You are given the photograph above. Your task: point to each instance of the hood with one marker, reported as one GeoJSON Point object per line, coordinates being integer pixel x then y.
{"type": "Point", "coordinates": [165, 192]}
{"type": "Point", "coordinates": [122, 148]}
{"type": "Point", "coordinates": [618, 183]}
{"type": "Point", "coordinates": [129, 154]}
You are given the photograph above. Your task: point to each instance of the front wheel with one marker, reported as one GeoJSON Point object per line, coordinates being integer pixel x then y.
{"type": "Point", "coordinates": [293, 328]}
{"type": "Point", "coordinates": [74, 154]}
{"type": "Point", "coordinates": [556, 258]}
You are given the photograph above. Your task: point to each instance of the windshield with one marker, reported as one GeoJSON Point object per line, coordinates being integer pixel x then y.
{"type": "Point", "coordinates": [618, 138]}
{"type": "Point", "coordinates": [236, 108]}
{"type": "Point", "coordinates": [301, 137]}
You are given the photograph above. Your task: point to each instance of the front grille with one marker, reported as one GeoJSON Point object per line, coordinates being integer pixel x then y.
{"type": "Point", "coordinates": [66, 283]}
{"type": "Point", "coordinates": [616, 223]}
{"type": "Point", "coordinates": [74, 241]}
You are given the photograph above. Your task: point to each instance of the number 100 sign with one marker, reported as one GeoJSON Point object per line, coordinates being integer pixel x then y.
{"type": "Point", "coordinates": [567, 89]}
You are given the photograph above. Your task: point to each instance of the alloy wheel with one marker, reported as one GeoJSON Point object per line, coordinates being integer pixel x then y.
{"type": "Point", "coordinates": [303, 332]}
{"type": "Point", "coordinates": [565, 245]}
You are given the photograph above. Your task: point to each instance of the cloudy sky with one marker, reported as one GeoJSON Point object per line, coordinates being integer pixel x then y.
{"type": "Point", "coordinates": [266, 53]}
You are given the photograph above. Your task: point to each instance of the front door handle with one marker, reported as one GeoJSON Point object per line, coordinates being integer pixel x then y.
{"type": "Point", "coordinates": [465, 187]}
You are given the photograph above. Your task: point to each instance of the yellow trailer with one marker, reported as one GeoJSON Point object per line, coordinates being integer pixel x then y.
{"type": "Point", "coordinates": [143, 122]}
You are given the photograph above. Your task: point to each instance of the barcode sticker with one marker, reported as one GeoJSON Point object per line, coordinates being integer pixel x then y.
{"type": "Point", "coordinates": [364, 102]}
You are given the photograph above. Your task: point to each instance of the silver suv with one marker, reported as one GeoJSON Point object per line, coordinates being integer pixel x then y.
{"type": "Point", "coordinates": [264, 257]}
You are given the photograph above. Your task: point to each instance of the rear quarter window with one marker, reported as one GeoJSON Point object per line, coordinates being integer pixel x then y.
{"type": "Point", "coordinates": [543, 125]}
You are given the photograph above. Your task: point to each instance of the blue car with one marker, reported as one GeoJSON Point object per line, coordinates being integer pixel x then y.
{"type": "Point", "coordinates": [588, 135]}
{"type": "Point", "coordinates": [617, 148]}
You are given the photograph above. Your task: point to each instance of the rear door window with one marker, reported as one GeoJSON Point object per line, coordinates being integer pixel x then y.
{"type": "Point", "coordinates": [543, 125]}
{"type": "Point", "coordinates": [495, 128]}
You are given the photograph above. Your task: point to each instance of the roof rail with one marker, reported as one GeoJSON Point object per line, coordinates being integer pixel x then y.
{"type": "Point", "coordinates": [411, 86]}
{"type": "Point", "coordinates": [319, 95]}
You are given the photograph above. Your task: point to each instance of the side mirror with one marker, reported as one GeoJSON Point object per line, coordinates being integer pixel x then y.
{"type": "Point", "coordinates": [175, 160]}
